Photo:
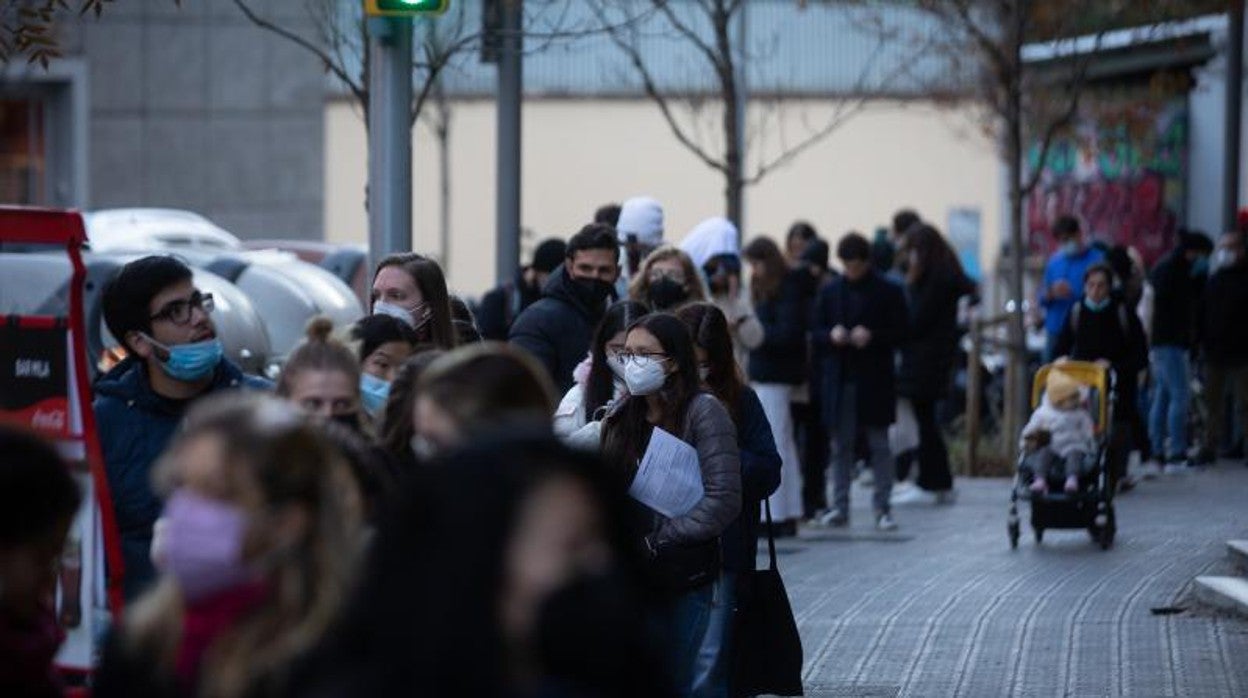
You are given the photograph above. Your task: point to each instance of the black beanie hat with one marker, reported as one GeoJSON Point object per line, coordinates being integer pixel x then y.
{"type": "Point", "coordinates": [549, 255]}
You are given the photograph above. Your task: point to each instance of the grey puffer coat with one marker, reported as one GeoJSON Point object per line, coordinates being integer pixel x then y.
{"type": "Point", "coordinates": [709, 429]}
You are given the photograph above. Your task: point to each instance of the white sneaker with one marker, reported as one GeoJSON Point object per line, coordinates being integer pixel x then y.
{"type": "Point", "coordinates": [866, 479]}
{"type": "Point", "coordinates": [912, 495]}
{"type": "Point", "coordinates": [884, 522]}
{"type": "Point", "coordinates": [1151, 470]}
{"type": "Point", "coordinates": [834, 518]}
{"type": "Point", "coordinates": [1176, 468]}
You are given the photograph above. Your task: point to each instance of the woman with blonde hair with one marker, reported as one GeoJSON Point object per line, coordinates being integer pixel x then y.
{"type": "Point", "coordinates": [667, 279]}
{"type": "Point", "coordinates": [257, 553]}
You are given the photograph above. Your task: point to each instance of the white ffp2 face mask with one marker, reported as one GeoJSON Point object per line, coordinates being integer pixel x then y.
{"type": "Point", "coordinates": [644, 376]}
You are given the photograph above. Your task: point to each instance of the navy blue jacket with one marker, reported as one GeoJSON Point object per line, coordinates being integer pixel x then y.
{"type": "Point", "coordinates": [135, 425]}
{"type": "Point", "coordinates": [781, 358]}
{"type": "Point", "coordinates": [880, 306]}
{"type": "Point", "coordinates": [760, 476]}
{"type": "Point", "coordinates": [557, 329]}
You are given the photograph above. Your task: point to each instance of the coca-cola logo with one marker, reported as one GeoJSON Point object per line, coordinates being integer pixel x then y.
{"type": "Point", "coordinates": [49, 420]}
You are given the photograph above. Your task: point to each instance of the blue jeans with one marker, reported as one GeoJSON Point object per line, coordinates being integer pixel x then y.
{"type": "Point", "coordinates": [710, 674]}
{"type": "Point", "coordinates": [1168, 414]}
{"type": "Point", "coordinates": [689, 617]}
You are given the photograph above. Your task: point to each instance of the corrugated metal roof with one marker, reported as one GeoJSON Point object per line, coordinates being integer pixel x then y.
{"type": "Point", "coordinates": [821, 49]}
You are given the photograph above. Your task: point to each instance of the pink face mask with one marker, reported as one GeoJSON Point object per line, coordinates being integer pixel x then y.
{"type": "Point", "coordinates": [204, 544]}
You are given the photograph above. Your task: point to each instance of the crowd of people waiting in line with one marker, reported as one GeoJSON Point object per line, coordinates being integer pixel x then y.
{"type": "Point", "coordinates": [416, 503]}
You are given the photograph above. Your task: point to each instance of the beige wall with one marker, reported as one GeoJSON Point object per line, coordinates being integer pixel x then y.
{"type": "Point", "coordinates": [579, 154]}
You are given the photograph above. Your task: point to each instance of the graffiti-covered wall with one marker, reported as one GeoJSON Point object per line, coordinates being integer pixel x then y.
{"type": "Point", "coordinates": [1122, 171]}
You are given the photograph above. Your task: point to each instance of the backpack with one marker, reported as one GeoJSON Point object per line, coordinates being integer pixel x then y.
{"type": "Point", "coordinates": [1122, 318]}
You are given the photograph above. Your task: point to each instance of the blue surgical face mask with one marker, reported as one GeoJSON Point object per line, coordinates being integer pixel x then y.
{"type": "Point", "coordinates": [1070, 248]}
{"type": "Point", "coordinates": [191, 362]}
{"type": "Point", "coordinates": [1096, 306]}
{"type": "Point", "coordinates": [1200, 266]}
{"type": "Point", "coordinates": [373, 392]}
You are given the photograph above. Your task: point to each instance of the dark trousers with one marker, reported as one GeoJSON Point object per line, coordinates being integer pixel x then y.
{"type": "Point", "coordinates": [934, 473]}
{"type": "Point", "coordinates": [812, 444]}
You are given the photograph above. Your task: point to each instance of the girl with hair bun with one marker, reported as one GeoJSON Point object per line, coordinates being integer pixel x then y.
{"type": "Point", "coordinates": [322, 377]}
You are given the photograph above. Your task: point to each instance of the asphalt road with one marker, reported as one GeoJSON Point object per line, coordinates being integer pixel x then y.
{"type": "Point", "coordinates": [943, 607]}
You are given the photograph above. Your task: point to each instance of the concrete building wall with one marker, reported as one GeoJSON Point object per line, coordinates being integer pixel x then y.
{"type": "Point", "coordinates": [579, 154]}
{"type": "Point", "coordinates": [191, 106]}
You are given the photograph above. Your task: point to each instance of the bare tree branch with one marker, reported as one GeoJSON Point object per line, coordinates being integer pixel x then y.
{"type": "Point", "coordinates": [357, 89]}
{"type": "Point", "coordinates": [690, 35]}
{"type": "Point", "coordinates": [652, 91]}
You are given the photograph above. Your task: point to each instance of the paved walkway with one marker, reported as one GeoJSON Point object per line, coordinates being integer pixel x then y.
{"type": "Point", "coordinates": [945, 608]}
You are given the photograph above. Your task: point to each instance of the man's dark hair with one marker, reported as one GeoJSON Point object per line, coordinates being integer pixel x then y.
{"type": "Point", "coordinates": [904, 220]}
{"type": "Point", "coordinates": [37, 492]}
{"type": "Point", "coordinates": [853, 247]}
{"type": "Point", "coordinates": [595, 236]}
{"type": "Point", "coordinates": [127, 294]}
{"type": "Point", "coordinates": [1065, 227]}
{"type": "Point", "coordinates": [1195, 241]}
{"type": "Point", "coordinates": [802, 230]}
{"type": "Point", "coordinates": [608, 213]}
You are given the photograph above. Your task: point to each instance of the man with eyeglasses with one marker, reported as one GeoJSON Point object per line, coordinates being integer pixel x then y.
{"type": "Point", "coordinates": [173, 357]}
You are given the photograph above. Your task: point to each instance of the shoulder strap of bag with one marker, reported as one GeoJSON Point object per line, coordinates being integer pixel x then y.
{"type": "Point", "coordinates": [1074, 315]}
{"type": "Point", "coordinates": [771, 539]}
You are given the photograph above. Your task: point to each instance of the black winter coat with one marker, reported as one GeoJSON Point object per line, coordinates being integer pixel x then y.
{"type": "Point", "coordinates": [1176, 301]}
{"type": "Point", "coordinates": [501, 305]}
{"type": "Point", "coordinates": [932, 343]}
{"type": "Point", "coordinates": [1225, 332]}
{"type": "Point", "coordinates": [760, 477]}
{"type": "Point", "coordinates": [781, 358]}
{"type": "Point", "coordinates": [880, 306]}
{"type": "Point", "coordinates": [557, 329]}
{"type": "Point", "coordinates": [1091, 336]}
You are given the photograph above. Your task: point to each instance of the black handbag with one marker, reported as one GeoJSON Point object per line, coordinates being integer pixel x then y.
{"type": "Point", "coordinates": [768, 654]}
{"type": "Point", "coordinates": [681, 568]}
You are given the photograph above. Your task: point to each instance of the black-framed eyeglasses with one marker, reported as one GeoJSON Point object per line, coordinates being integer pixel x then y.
{"type": "Point", "coordinates": [179, 312]}
{"type": "Point", "coordinates": [630, 357]}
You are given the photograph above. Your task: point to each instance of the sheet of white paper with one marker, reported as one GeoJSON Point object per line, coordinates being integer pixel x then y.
{"type": "Point", "coordinates": [669, 479]}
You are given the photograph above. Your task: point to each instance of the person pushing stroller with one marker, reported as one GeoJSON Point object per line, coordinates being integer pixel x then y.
{"type": "Point", "coordinates": [1059, 439]}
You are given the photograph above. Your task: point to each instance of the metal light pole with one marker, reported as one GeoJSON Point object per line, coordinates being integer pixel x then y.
{"type": "Point", "coordinates": [1234, 111]}
{"type": "Point", "coordinates": [389, 137]}
{"type": "Point", "coordinates": [510, 94]}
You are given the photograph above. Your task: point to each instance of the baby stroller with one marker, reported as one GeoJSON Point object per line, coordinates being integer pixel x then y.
{"type": "Point", "coordinates": [1091, 506]}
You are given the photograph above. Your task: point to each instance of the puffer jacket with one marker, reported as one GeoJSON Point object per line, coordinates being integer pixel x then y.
{"type": "Point", "coordinates": [709, 429]}
{"type": "Point", "coordinates": [557, 329]}
{"type": "Point", "coordinates": [135, 425]}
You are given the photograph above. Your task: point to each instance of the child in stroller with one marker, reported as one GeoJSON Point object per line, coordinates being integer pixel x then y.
{"type": "Point", "coordinates": [1059, 439]}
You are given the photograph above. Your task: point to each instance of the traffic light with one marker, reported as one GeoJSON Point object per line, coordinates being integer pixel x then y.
{"type": "Point", "coordinates": [404, 8]}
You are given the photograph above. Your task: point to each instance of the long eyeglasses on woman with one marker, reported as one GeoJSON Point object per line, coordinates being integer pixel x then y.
{"type": "Point", "coordinates": [632, 357]}
{"type": "Point", "coordinates": [179, 312]}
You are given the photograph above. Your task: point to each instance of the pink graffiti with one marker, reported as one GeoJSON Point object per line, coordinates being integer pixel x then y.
{"type": "Point", "coordinates": [1130, 212]}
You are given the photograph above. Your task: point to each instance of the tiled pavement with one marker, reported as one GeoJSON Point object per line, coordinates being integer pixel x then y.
{"type": "Point", "coordinates": [945, 608]}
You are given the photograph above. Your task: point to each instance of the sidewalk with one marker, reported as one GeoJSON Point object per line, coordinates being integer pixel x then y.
{"type": "Point", "coordinates": [945, 608]}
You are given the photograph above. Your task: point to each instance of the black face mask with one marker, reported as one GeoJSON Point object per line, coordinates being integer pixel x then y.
{"type": "Point", "coordinates": [666, 293]}
{"type": "Point", "coordinates": [592, 292]}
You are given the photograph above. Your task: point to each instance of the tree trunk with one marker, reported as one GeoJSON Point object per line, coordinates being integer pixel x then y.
{"type": "Point", "coordinates": [444, 175]}
{"type": "Point", "coordinates": [734, 175]}
{"type": "Point", "coordinates": [1016, 375]}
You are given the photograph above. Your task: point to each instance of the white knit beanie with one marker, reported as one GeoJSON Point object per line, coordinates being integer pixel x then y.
{"type": "Point", "coordinates": [641, 216]}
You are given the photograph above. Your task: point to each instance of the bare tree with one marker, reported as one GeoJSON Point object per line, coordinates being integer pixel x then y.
{"type": "Point", "coordinates": [713, 29]}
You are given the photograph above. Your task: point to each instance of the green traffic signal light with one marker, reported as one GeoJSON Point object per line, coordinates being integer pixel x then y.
{"type": "Point", "coordinates": [405, 8]}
